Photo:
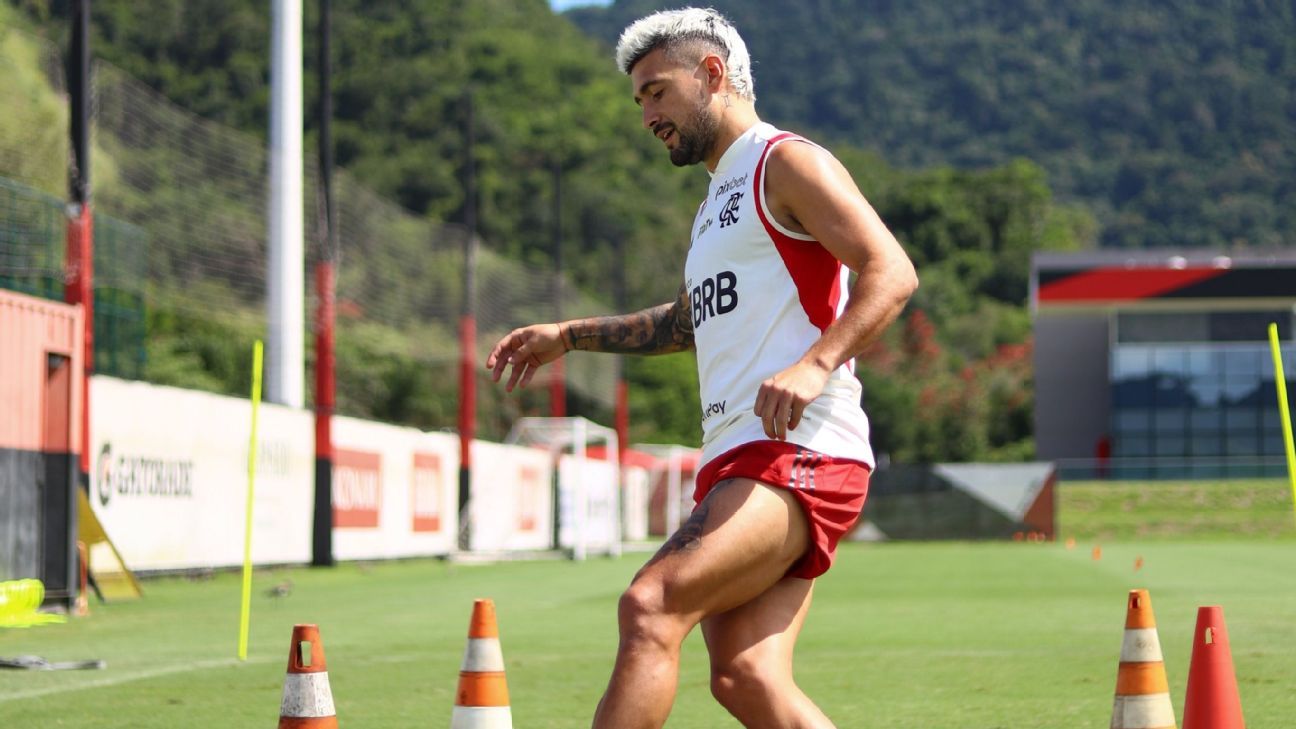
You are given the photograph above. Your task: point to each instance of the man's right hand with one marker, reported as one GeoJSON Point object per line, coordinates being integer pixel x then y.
{"type": "Point", "coordinates": [526, 349]}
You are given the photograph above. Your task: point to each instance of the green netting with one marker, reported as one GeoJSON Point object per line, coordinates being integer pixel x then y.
{"type": "Point", "coordinates": [33, 244]}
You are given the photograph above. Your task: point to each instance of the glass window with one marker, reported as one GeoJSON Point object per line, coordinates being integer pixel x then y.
{"type": "Point", "coordinates": [1132, 446]}
{"type": "Point", "coordinates": [1207, 445]}
{"type": "Point", "coordinates": [1133, 421]}
{"type": "Point", "coordinates": [1172, 391]}
{"type": "Point", "coordinates": [1170, 420]}
{"type": "Point", "coordinates": [1203, 362]}
{"type": "Point", "coordinates": [1206, 420]}
{"type": "Point", "coordinates": [1273, 445]}
{"type": "Point", "coordinates": [1267, 365]}
{"type": "Point", "coordinates": [1206, 392]}
{"type": "Point", "coordinates": [1134, 393]}
{"type": "Point", "coordinates": [1131, 362]}
{"type": "Point", "coordinates": [1247, 326]}
{"type": "Point", "coordinates": [1170, 360]}
{"type": "Point", "coordinates": [1241, 444]}
{"type": "Point", "coordinates": [1241, 391]}
{"type": "Point", "coordinates": [1240, 419]}
{"type": "Point", "coordinates": [1171, 446]}
{"type": "Point", "coordinates": [1242, 361]}
{"type": "Point", "coordinates": [1163, 327]}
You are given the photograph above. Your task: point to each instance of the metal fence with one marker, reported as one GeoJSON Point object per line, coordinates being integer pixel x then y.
{"type": "Point", "coordinates": [180, 231]}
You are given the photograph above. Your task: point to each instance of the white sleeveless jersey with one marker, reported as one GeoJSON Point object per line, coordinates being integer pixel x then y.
{"type": "Point", "coordinates": [761, 295]}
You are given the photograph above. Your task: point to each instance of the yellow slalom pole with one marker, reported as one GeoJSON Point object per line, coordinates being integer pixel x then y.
{"type": "Point", "coordinates": [246, 613]}
{"type": "Point", "coordinates": [1286, 411]}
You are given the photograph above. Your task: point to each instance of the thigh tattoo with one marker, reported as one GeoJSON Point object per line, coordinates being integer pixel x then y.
{"type": "Point", "coordinates": [688, 537]}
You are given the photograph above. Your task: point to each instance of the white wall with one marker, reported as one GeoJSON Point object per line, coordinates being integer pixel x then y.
{"type": "Point", "coordinates": [169, 482]}
{"type": "Point", "coordinates": [169, 476]}
{"type": "Point", "coordinates": [395, 491]}
{"type": "Point", "coordinates": [512, 498]}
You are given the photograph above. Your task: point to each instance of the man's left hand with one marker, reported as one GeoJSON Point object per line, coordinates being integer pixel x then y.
{"type": "Point", "coordinates": [784, 397]}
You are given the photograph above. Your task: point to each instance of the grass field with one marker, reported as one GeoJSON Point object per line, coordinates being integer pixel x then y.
{"type": "Point", "coordinates": [1206, 510]}
{"type": "Point", "coordinates": [931, 635]}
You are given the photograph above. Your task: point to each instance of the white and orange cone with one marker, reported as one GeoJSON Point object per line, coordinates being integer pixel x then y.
{"type": "Point", "coordinates": [482, 700]}
{"type": "Point", "coordinates": [1142, 691]}
{"type": "Point", "coordinates": [307, 698]}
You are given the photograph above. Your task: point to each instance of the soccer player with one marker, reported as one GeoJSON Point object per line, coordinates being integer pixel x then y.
{"type": "Point", "coordinates": [776, 323]}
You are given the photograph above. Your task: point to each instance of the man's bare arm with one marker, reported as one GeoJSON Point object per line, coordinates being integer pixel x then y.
{"type": "Point", "coordinates": [659, 330]}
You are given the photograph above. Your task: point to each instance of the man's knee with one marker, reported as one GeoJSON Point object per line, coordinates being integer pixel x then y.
{"type": "Point", "coordinates": [644, 616]}
{"type": "Point", "coordinates": [742, 686]}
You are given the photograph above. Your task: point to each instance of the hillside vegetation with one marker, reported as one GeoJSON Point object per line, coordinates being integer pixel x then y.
{"type": "Point", "coordinates": [1173, 122]}
{"type": "Point", "coordinates": [952, 382]}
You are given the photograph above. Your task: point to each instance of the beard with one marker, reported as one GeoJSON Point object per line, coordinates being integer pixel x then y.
{"type": "Point", "coordinates": [697, 136]}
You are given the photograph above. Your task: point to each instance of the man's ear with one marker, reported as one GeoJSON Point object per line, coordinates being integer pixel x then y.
{"type": "Point", "coordinates": [715, 71]}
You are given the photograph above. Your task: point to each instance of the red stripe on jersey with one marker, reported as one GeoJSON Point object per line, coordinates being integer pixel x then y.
{"type": "Point", "coordinates": [816, 273]}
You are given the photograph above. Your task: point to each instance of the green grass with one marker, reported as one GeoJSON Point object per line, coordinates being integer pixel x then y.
{"type": "Point", "coordinates": [1205, 510]}
{"type": "Point", "coordinates": [936, 635]}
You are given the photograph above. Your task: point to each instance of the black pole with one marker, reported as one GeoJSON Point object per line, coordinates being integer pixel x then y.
{"type": "Point", "coordinates": [59, 510]}
{"type": "Point", "coordinates": [558, 375]}
{"type": "Point", "coordinates": [558, 237]}
{"type": "Point", "coordinates": [326, 125]}
{"type": "Point", "coordinates": [322, 525]}
{"type": "Point", "coordinates": [79, 88]}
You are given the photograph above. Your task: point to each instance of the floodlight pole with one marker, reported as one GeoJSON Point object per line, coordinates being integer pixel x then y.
{"type": "Point", "coordinates": [285, 351]}
{"type": "Point", "coordinates": [558, 374]}
{"type": "Point", "coordinates": [468, 330]}
{"type": "Point", "coordinates": [79, 265]}
{"type": "Point", "coordinates": [621, 413]}
{"type": "Point", "coordinates": [325, 314]}
{"type": "Point", "coordinates": [79, 283]}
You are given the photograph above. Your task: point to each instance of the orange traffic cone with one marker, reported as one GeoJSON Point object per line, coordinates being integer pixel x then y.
{"type": "Point", "coordinates": [1142, 692]}
{"type": "Point", "coordinates": [1212, 701]}
{"type": "Point", "coordinates": [482, 700]}
{"type": "Point", "coordinates": [307, 698]}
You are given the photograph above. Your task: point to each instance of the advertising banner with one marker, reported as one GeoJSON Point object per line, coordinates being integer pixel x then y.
{"type": "Point", "coordinates": [395, 491]}
{"type": "Point", "coordinates": [169, 484]}
{"type": "Point", "coordinates": [512, 501]}
{"type": "Point", "coordinates": [588, 505]}
{"type": "Point", "coordinates": [634, 503]}
{"type": "Point", "coordinates": [169, 476]}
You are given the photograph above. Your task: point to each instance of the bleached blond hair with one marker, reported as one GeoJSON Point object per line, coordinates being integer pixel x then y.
{"type": "Point", "coordinates": [679, 33]}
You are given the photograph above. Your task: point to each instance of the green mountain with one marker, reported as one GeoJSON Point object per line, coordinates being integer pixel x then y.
{"type": "Point", "coordinates": [1175, 123]}
{"type": "Point", "coordinates": [952, 382]}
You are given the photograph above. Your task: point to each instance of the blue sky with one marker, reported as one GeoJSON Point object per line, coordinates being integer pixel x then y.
{"type": "Point", "coordinates": [561, 5]}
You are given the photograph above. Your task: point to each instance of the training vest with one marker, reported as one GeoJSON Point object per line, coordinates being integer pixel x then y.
{"type": "Point", "coordinates": [760, 296]}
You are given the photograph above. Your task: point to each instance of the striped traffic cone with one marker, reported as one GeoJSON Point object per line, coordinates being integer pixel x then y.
{"type": "Point", "coordinates": [482, 700]}
{"type": "Point", "coordinates": [1212, 701]}
{"type": "Point", "coordinates": [1142, 691]}
{"type": "Point", "coordinates": [307, 698]}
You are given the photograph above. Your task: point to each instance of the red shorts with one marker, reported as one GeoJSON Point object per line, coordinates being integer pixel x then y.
{"type": "Point", "coordinates": [830, 490]}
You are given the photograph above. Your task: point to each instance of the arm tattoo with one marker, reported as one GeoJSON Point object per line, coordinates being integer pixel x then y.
{"type": "Point", "coordinates": [659, 330]}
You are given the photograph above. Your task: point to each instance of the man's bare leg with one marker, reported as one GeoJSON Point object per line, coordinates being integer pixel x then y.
{"type": "Point", "coordinates": [751, 659]}
{"type": "Point", "coordinates": [738, 543]}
